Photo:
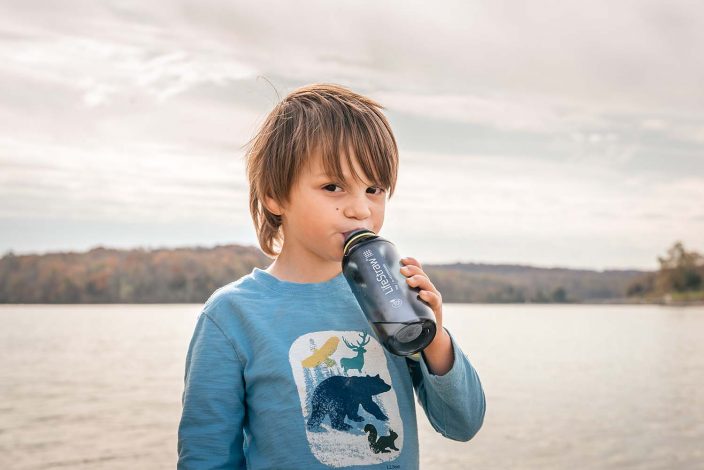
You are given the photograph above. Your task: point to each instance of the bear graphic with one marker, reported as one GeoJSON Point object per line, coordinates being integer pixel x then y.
{"type": "Point", "coordinates": [340, 396]}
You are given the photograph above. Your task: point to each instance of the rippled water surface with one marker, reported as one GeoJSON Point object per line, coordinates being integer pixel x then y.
{"type": "Point", "coordinates": [567, 386]}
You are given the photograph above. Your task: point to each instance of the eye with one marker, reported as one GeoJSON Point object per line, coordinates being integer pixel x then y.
{"type": "Point", "coordinates": [376, 191]}
{"type": "Point", "coordinates": [333, 186]}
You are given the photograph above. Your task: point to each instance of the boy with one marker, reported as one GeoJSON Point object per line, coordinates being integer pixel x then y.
{"type": "Point", "coordinates": [283, 370]}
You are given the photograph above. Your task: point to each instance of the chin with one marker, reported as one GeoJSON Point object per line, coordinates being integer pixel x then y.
{"type": "Point", "coordinates": [337, 256]}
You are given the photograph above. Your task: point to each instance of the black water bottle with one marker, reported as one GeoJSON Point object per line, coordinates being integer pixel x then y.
{"type": "Point", "coordinates": [403, 322]}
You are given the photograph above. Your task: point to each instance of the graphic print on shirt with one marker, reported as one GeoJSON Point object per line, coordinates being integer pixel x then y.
{"type": "Point", "coordinates": [350, 410]}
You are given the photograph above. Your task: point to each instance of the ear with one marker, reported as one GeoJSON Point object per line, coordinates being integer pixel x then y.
{"type": "Point", "coordinates": [272, 206]}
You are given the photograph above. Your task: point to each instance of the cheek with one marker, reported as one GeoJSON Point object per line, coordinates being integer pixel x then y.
{"type": "Point", "coordinates": [379, 217]}
{"type": "Point", "coordinates": [318, 222]}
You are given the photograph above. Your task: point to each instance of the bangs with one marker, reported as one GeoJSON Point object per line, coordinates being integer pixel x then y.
{"type": "Point", "coordinates": [353, 133]}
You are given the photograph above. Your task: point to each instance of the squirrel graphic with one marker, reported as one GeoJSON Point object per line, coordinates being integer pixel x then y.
{"type": "Point", "coordinates": [383, 442]}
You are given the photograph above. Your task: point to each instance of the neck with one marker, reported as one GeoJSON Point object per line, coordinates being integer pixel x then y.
{"type": "Point", "coordinates": [288, 267]}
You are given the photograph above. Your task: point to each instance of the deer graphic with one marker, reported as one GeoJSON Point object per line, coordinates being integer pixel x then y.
{"type": "Point", "coordinates": [356, 362]}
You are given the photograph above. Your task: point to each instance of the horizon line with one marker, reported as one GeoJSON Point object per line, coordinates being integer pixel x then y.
{"type": "Point", "coordinates": [190, 247]}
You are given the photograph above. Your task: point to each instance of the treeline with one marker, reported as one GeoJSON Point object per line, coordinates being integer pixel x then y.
{"type": "Point", "coordinates": [104, 275]}
{"type": "Point", "coordinates": [485, 283]}
{"type": "Point", "coordinates": [190, 275]}
{"type": "Point", "coordinates": [679, 279]}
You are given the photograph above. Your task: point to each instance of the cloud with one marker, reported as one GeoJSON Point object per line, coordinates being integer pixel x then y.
{"type": "Point", "coordinates": [102, 70]}
{"type": "Point", "coordinates": [498, 112]}
{"type": "Point", "coordinates": [536, 130]}
{"type": "Point", "coordinates": [140, 184]}
{"type": "Point", "coordinates": [492, 200]}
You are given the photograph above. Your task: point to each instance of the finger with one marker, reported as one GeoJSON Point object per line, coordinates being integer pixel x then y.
{"type": "Point", "coordinates": [421, 282]}
{"type": "Point", "coordinates": [410, 270]}
{"type": "Point", "coordinates": [411, 261]}
{"type": "Point", "coordinates": [431, 298]}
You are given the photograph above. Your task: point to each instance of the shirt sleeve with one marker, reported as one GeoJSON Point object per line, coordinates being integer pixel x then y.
{"type": "Point", "coordinates": [210, 433]}
{"type": "Point", "coordinates": [454, 402]}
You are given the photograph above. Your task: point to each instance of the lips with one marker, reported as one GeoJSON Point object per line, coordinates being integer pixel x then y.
{"type": "Point", "coordinates": [345, 234]}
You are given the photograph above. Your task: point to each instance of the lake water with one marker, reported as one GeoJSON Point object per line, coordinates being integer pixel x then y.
{"type": "Point", "coordinates": [567, 386]}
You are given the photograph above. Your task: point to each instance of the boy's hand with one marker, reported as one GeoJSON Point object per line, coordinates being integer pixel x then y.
{"type": "Point", "coordinates": [415, 277]}
{"type": "Point", "coordinates": [438, 353]}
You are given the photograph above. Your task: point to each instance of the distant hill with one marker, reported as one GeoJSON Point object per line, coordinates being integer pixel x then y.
{"type": "Point", "coordinates": [104, 275]}
{"type": "Point", "coordinates": [471, 282]}
{"type": "Point", "coordinates": [190, 275]}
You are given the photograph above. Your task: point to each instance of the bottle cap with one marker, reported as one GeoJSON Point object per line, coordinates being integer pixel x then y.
{"type": "Point", "coordinates": [356, 236]}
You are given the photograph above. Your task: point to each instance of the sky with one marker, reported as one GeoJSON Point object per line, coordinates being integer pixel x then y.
{"type": "Point", "coordinates": [555, 134]}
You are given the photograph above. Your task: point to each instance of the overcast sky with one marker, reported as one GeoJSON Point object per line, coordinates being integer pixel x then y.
{"type": "Point", "coordinates": [545, 133]}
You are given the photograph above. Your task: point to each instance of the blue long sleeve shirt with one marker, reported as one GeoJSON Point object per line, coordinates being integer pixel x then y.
{"type": "Point", "coordinates": [291, 376]}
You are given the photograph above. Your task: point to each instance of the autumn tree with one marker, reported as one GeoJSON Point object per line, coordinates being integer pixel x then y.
{"type": "Point", "coordinates": [680, 270]}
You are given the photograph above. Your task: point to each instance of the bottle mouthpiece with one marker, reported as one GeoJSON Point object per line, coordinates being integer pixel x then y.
{"type": "Point", "coordinates": [356, 236]}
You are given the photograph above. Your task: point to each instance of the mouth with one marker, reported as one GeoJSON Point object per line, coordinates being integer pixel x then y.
{"type": "Point", "coordinates": [346, 234]}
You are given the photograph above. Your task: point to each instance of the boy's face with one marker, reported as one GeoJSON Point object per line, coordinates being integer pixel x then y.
{"type": "Point", "coordinates": [321, 210]}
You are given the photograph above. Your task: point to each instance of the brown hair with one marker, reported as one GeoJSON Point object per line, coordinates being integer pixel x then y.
{"type": "Point", "coordinates": [320, 117]}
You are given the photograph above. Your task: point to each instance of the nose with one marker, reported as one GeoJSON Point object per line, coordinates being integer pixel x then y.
{"type": "Point", "coordinates": [358, 207]}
